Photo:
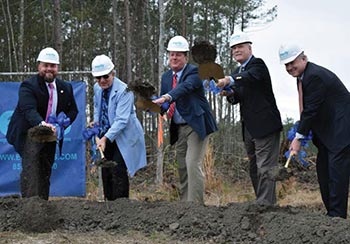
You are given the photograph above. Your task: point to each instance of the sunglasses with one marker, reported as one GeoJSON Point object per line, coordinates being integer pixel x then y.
{"type": "Point", "coordinates": [103, 76]}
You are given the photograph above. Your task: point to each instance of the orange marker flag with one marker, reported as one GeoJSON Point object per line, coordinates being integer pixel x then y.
{"type": "Point", "coordinates": [160, 131]}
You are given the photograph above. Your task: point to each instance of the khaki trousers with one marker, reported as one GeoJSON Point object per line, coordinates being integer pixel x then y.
{"type": "Point", "coordinates": [190, 152]}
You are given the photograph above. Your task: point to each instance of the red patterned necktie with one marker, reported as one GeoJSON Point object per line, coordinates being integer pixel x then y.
{"type": "Point", "coordinates": [172, 106]}
{"type": "Point", "coordinates": [300, 92]}
{"type": "Point", "coordinates": [49, 106]}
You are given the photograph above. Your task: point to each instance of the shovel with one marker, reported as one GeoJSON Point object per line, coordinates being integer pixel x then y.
{"type": "Point", "coordinates": [42, 134]}
{"type": "Point", "coordinates": [280, 174]}
{"type": "Point", "coordinates": [103, 162]}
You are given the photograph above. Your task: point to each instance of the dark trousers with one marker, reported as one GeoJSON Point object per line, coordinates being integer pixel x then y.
{"type": "Point", "coordinates": [115, 179]}
{"type": "Point", "coordinates": [37, 161]}
{"type": "Point", "coordinates": [333, 171]}
{"type": "Point", "coordinates": [263, 156]}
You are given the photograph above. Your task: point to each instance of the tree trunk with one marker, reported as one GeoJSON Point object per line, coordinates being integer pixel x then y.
{"type": "Point", "coordinates": [115, 31]}
{"type": "Point", "coordinates": [8, 37]}
{"type": "Point", "coordinates": [44, 20]}
{"type": "Point", "coordinates": [184, 18]}
{"type": "Point", "coordinates": [21, 36]}
{"type": "Point", "coordinates": [57, 27]}
{"type": "Point", "coordinates": [160, 156]}
{"type": "Point", "coordinates": [14, 48]}
{"type": "Point", "coordinates": [127, 41]}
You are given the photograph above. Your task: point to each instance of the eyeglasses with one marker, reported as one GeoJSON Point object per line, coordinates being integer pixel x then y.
{"type": "Point", "coordinates": [103, 76]}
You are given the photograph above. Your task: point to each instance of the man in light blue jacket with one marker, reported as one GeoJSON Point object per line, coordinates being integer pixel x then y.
{"type": "Point", "coordinates": [121, 134]}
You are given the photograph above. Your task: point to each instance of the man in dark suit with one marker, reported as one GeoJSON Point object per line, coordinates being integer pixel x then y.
{"type": "Point", "coordinates": [39, 97]}
{"type": "Point", "coordinates": [261, 120]}
{"type": "Point", "coordinates": [191, 118]}
{"type": "Point", "coordinates": [324, 105]}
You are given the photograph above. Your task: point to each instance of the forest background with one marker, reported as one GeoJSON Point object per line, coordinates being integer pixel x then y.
{"type": "Point", "coordinates": [134, 33]}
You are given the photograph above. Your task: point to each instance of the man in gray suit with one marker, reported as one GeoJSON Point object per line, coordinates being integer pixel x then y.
{"type": "Point", "coordinates": [261, 120]}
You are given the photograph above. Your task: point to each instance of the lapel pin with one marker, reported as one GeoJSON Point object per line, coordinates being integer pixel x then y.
{"type": "Point", "coordinates": [61, 91]}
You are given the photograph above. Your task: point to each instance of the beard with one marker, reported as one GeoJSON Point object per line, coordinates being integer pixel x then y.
{"type": "Point", "coordinates": [49, 77]}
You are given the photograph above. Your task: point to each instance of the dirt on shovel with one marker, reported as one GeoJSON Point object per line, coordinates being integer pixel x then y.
{"type": "Point", "coordinates": [103, 162]}
{"type": "Point", "coordinates": [281, 173]}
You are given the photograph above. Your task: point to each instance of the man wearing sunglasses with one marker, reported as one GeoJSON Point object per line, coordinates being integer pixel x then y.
{"type": "Point", "coordinates": [121, 136]}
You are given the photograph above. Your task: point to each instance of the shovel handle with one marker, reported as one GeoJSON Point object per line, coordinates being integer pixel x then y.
{"type": "Point", "coordinates": [288, 160]}
{"type": "Point", "coordinates": [99, 148]}
{"type": "Point", "coordinates": [101, 152]}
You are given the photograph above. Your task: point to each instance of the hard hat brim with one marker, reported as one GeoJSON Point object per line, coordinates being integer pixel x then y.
{"type": "Point", "coordinates": [290, 59]}
{"type": "Point", "coordinates": [177, 50]}
{"type": "Point", "coordinates": [101, 73]}
{"type": "Point", "coordinates": [241, 43]}
{"type": "Point", "coordinates": [47, 61]}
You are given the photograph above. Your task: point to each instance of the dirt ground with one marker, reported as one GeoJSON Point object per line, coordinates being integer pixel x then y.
{"type": "Point", "coordinates": [130, 221]}
{"type": "Point", "coordinates": [151, 221]}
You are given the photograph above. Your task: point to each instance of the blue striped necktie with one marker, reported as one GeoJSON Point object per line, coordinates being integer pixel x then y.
{"type": "Point", "coordinates": [104, 123]}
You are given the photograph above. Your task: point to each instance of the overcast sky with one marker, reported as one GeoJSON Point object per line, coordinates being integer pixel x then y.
{"type": "Point", "coordinates": [322, 28]}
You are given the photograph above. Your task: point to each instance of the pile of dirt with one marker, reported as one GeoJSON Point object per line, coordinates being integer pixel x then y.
{"type": "Point", "coordinates": [234, 223]}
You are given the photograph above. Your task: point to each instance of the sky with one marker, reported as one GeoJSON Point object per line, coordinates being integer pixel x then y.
{"type": "Point", "coordinates": [321, 28]}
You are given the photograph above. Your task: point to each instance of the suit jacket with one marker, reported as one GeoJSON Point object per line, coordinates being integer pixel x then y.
{"type": "Point", "coordinates": [191, 102]}
{"type": "Point", "coordinates": [126, 129]}
{"type": "Point", "coordinates": [326, 108]}
{"type": "Point", "coordinates": [253, 90]}
{"type": "Point", "coordinates": [32, 106]}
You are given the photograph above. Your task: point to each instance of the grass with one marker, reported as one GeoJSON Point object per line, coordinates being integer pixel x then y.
{"type": "Point", "coordinates": [219, 189]}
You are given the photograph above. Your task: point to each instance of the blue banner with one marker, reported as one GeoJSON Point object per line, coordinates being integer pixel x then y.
{"type": "Point", "coordinates": [68, 171]}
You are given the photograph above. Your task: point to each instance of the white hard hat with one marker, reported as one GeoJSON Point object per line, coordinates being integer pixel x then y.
{"type": "Point", "coordinates": [101, 65]}
{"type": "Point", "coordinates": [289, 53]}
{"type": "Point", "coordinates": [239, 38]}
{"type": "Point", "coordinates": [48, 55]}
{"type": "Point", "coordinates": [178, 44]}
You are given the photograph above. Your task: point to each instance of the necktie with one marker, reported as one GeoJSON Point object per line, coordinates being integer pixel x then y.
{"type": "Point", "coordinates": [104, 123]}
{"type": "Point", "coordinates": [49, 106]}
{"type": "Point", "coordinates": [172, 106]}
{"type": "Point", "coordinates": [241, 69]}
{"type": "Point", "coordinates": [300, 92]}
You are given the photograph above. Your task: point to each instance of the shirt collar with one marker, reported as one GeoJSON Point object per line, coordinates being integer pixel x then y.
{"type": "Point", "coordinates": [178, 74]}
{"type": "Point", "coordinates": [54, 83]}
{"type": "Point", "coordinates": [247, 61]}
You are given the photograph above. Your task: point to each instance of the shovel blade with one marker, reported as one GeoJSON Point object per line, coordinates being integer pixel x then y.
{"type": "Point", "coordinates": [147, 105]}
{"type": "Point", "coordinates": [104, 163]}
{"type": "Point", "coordinates": [279, 174]}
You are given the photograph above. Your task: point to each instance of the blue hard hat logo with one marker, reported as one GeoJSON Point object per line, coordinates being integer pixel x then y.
{"type": "Point", "coordinates": [284, 54]}
{"type": "Point", "coordinates": [100, 66]}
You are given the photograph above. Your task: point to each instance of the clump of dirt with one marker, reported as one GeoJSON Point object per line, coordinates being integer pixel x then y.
{"type": "Point", "coordinates": [233, 223]}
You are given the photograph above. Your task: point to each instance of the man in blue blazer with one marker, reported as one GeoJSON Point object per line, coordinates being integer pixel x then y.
{"type": "Point", "coordinates": [261, 120]}
{"type": "Point", "coordinates": [191, 118]}
{"type": "Point", "coordinates": [325, 110]}
{"type": "Point", "coordinates": [40, 96]}
{"type": "Point", "coordinates": [121, 134]}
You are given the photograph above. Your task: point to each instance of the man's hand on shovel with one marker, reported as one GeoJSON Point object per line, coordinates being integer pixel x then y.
{"type": "Point", "coordinates": [295, 146]}
{"type": "Point", "coordinates": [101, 144]}
{"type": "Point", "coordinates": [280, 174]}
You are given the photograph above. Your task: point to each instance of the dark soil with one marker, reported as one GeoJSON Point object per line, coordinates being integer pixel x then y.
{"type": "Point", "coordinates": [234, 223]}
